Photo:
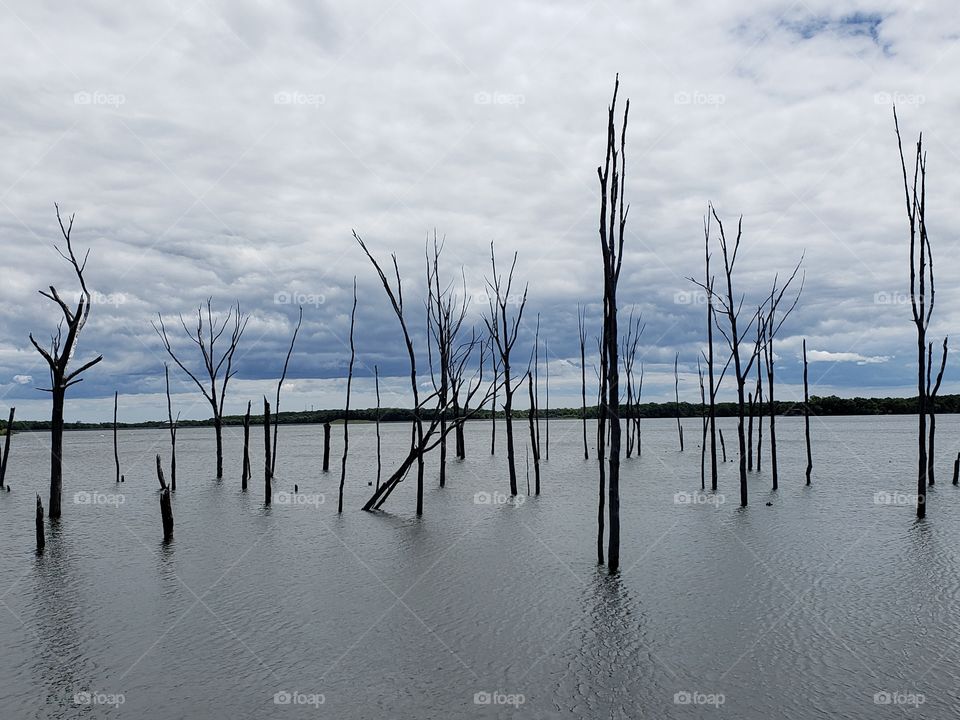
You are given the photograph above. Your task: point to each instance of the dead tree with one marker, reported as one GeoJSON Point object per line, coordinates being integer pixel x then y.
{"type": "Point", "coordinates": [493, 405]}
{"type": "Point", "coordinates": [628, 352]}
{"type": "Point", "coordinates": [6, 447]}
{"type": "Point", "coordinates": [759, 396]}
{"type": "Point", "coordinates": [751, 403]}
{"type": "Point", "coordinates": [116, 451]}
{"type": "Point", "coordinates": [931, 404]}
{"type": "Point", "coordinates": [723, 445]}
{"type": "Point", "coordinates": [346, 411]}
{"type": "Point", "coordinates": [460, 384]}
{"type": "Point", "coordinates": [376, 380]}
{"type": "Point", "coordinates": [267, 463]}
{"type": "Point", "coordinates": [806, 411]}
{"type": "Point", "coordinates": [534, 440]}
{"type": "Point", "coordinates": [38, 524]}
{"type": "Point", "coordinates": [58, 357]}
{"type": "Point", "coordinates": [172, 425]}
{"type": "Point", "coordinates": [546, 416]}
{"type": "Point", "coordinates": [217, 369]}
{"type": "Point", "coordinates": [956, 470]}
{"type": "Point", "coordinates": [503, 330]}
{"type": "Point", "coordinates": [734, 333]}
{"type": "Point", "coordinates": [921, 273]}
{"type": "Point", "coordinates": [676, 395]}
{"type": "Point", "coordinates": [446, 312]}
{"type": "Point", "coordinates": [582, 328]}
{"type": "Point", "coordinates": [166, 511]}
{"type": "Point", "coordinates": [245, 476]}
{"type": "Point", "coordinates": [705, 424]}
{"type": "Point", "coordinates": [395, 295]}
{"type": "Point", "coordinates": [326, 446]}
{"type": "Point", "coordinates": [276, 407]}
{"type": "Point", "coordinates": [713, 385]}
{"type": "Point", "coordinates": [771, 326]}
{"type": "Point", "coordinates": [612, 177]}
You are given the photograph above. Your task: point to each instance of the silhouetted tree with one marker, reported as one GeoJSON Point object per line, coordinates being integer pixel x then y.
{"type": "Point", "coordinates": [217, 369]}
{"type": "Point", "coordinates": [503, 331]}
{"type": "Point", "coordinates": [58, 357]}
{"type": "Point", "coordinates": [346, 412]}
{"type": "Point", "coordinates": [931, 404]}
{"type": "Point", "coordinates": [6, 447]}
{"type": "Point", "coordinates": [172, 426]}
{"type": "Point", "coordinates": [806, 411]}
{"type": "Point", "coordinates": [276, 407]}
{"type": "Point", "coordinates": [582, 328]}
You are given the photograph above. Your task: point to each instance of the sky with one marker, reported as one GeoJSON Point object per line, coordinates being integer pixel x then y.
{"type": "Point", "coordinates": [229, 149]}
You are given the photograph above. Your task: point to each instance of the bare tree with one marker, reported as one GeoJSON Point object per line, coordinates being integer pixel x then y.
{"type": "Point", "coordinates": [267, 463]}
{"type": "Point", "coordinates": [806, 411]}
{"type": "Point", "coordinates": [6, 447]}
{"type": "Point", "coordinates": [276, 407]}
{"type": "Point", "coordinates": [376, 382]}
{"type": "Point", "coordinates": [628, 352]}
{"type": "Point", "coordinates": [346, 412]}
{"type": "Point", "coordinates": [772, 324]}
{"type": "Point", "coordinates": [676, 395]}
{"type": "Point", "coordinates": [218, 369]}
{"type": "Point", "coordinates": [503, 329]}
{"type": "Point", "coordinates": [582, 328]}
{"type": "Point", "coordinates": [705, 424]}
{"type": "Point", "coordinates": [247, 470]}
{"type": "Point", "coordinates": [58, 357]}
{"type": "Point", "coordinates": [116, 449]}
{"type": "Point", "coordinates": [612, 177]}
{"type": "Point", "coordinates": [931, 404]}
{"type": "Point", "coordinates": [734, 333]}
{"type": "Point", "coordinates": [921, 274]}
{"type": "Point", "coordinates": [708, 356]}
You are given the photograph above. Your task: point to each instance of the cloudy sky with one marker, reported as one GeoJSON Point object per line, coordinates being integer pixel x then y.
{"type": "Point", "coordinates": [228, 148]}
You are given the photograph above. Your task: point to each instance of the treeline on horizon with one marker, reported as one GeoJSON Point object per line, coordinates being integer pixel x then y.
{"type": "Point", "coordinates": [819, 406]}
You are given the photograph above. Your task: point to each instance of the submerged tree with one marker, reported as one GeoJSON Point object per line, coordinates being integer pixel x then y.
{"type": "Point", "coordinates": [612, 176]}
{"type": "Point", "coordinates": [346, 411]}
{"type": "Point", "coordinates": [504, 328]}
{"type": "Point", "coordinates": [734, 333]}
{"type": "Point", "coordinates": [283, 376]}
{"type": "Point", "coordinates": [921, 275]}
{"type": "Point", "coordinates": [6, 447]}
{"type": "Point", "coordinates": [771, 325]}
{"type": "Point", "coordinates": [931, 403]}
{"type": "Point", "coordinates": [676, 396]}
{"type": "Point", "coordinates": [582, 329]}
{"type": "Point", "coordinates": [58, 357]}
{"type": "Point", "coordinates": [218, 368]}
{"type": "Point", "coordinates": [172, 426]}
{"type": "Point", "coordinates": [806, 411]}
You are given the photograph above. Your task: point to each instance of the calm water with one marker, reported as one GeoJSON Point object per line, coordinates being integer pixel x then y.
{"type": "Point", "coordinates": [804, 609]}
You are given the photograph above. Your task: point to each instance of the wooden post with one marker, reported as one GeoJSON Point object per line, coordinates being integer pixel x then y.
{"type": "Point", "coordinates": [6, 448]}
{"type": "Point", "coordinates": [166, 512]}
{"type": "Point", "coordinates": [267, 468]}
{"type": "Point", "coordinates": [246, 450]}
{"type": "Point", "coordinates": [116, 453]}
{"type": "Point", "coordinates": [806, 417]}
{"type": "Point", "coordinates": [326, 446]}
{"type": "Point", "coordinates": [41, 542]}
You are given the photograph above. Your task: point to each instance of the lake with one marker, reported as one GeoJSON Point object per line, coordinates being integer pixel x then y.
{"type": "Point", "coordinates": [825, 604]}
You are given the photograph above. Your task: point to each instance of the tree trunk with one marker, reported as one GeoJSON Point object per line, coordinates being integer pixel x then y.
{"type": "Point", "coordinates": [723, 445]}
{"type": "Point", "coordinates": [921, 428]}
{"type": "Point", "coordinates": [116, 453]}
{"type": "Point", "coordinates": [930, 452]}
{"type": "Point", "coordinates": [326, 447]}
{"type": "Point", "coordinates": [245, 476]}
{"type": "Point", "coordinates": [56, 450]}
{"type": "Point", "coordinates": [534, 441]}
{"type": "Point", "coordinates": [956, 470]}
{"type": "Point", "coordinates": [6, 448]}
{"type": "Point", "coordinates": [218, 429]}
{"type": "Point", "coordinates": [508, 419]}
{"type": "Point", "coordinates": [41, 541]}
{"type": "Point", "coordinates": [267, 474]}
{"type": "Point", "coordinates": [376, 375]}
{"type": "Point", "coordinates": [750, 403]}
{"type": "Point", "coordinates": [166, 512]}
{"type": "Point", "coordinates": [771, 404]}
{"type": "Point", "coordinates": [806, 412]}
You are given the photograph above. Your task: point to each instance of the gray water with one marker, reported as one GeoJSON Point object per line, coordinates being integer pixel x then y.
{"type": "Point", "coordinates": [826, 604]}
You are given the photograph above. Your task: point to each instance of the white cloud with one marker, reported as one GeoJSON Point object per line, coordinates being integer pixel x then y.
{"type": "Point", "coordinates": [23, 379]}
{"type": "Point", "coordinates": [827, 356]}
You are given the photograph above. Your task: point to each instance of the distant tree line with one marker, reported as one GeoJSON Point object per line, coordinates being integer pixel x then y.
{"type": "Point", "coordinates": [819, 406]}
